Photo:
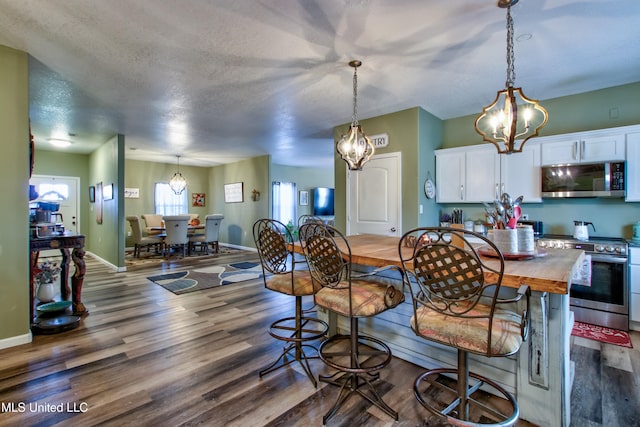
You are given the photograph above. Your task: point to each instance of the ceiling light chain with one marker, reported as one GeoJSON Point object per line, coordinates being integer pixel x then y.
{"type": "Point", "coordinates": [355, 147]}
{"type": "Point", "coordinates": [511, 115]}
{"type": "Point", "coordinates": [511, 60]}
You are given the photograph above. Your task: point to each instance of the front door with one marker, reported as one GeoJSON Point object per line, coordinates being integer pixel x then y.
{"type": "Point", "coordinates": [64, 190]}
{"type": "Point", "coordinates": [374, 197]}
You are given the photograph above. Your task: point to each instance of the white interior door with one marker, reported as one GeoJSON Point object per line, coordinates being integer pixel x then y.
{"type": "Point", "coordinates": [64, 190]}
{"type": "Point", "coordinates": [374, 197]}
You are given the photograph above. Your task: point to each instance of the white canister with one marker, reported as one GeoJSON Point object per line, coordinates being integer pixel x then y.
{"type": "Point", "coordinates": [505, 239]}
{"type": "Point", "coordinates": [526, 242]}
{"type": "Point", "coordinates": [468, 225]}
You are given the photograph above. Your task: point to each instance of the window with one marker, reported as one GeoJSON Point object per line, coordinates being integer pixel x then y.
{"type": "Point", "coordinates": [284, 202]}
{"type": "Point", "coordinates": [169, 203]}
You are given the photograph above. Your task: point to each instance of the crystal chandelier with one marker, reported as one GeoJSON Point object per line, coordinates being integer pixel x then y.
{"type": "Point", "coordinates": [512, 115]}
{"type": "Point", "coordinates": [177, 181]}
{"type": "Point", "coordinates": [355, 147]}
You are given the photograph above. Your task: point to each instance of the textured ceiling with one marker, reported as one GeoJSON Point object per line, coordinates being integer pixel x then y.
{"type": "Point", "coordinates": [218, 81]}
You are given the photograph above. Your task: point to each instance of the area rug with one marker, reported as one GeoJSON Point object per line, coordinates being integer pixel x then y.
{"type": "Point", "coordinates": [602, 334]}
{"type": "Point", "coordinates": [212, 276]}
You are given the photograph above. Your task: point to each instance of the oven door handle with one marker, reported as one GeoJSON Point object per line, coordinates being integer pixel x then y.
{"type": "Point", "coordinates": [608, 259]}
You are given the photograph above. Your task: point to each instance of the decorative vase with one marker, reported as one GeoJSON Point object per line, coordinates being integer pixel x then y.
{"type": "Point", "coordinates": [46, 292]}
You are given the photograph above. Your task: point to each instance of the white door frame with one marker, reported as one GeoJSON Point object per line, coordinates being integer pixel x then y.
{"type": "Point", "coordinates": [77, 188]}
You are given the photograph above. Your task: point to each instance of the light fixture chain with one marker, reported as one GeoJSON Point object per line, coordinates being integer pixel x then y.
{"type": "Point", "coordinates": [511, 68]}
{"type": "Point", "coordinates": [354, 118]}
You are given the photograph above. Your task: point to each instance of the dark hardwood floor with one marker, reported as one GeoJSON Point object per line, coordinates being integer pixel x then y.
{"type": "Point", "coordinates": [144, 356]}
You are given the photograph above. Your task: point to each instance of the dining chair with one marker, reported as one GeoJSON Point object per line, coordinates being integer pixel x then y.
{"type": "Point", "coordinates": [140, 241]}
{"type": "Point", "coordinates": [283, 273]}
{"type": "Point", "coordinates": [176, 228]}
{"type": "Point", "coordinates": [210, 235]}
{"type": "Point", "coordinates": [153, 223]}
{"type": "Point", "coordinates": [357, 358]}
{"type": "Point", "coordinates": [457, 303]}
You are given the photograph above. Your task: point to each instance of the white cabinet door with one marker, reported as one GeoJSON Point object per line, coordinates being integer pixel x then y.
{"type": "Point", "coordinates": [632, 169]}
{"type": "Point", "coordinates": [520, 174]}
{"type": "Point", "coordinates": [602, 148]}
{"type": "Point", "coordinates": [450, 169]}
{"type": "Point", "coordinates": [482, 174]}
{"type": "Point", "coordinates": [586, 147]}
{"type": "Point", "coordinates": [555, 152]}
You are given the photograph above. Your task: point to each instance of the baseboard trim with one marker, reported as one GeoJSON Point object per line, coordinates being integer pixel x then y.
{"type": "Point", "coordinates": [17, 340]}
{"type": "Point", "coordinates": [107, 263]}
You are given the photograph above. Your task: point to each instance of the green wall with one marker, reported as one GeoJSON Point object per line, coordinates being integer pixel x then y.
{"type": "Point", "coordinates": [306, 179]}
{"type": "Point", "coordinates": [106, 166]}
{"type": "Point", "coordinates": [14, 186]}
{"type": "Point", "coordinates": [237, 226]}
{"type": "Point", "coordinates": [576, 113]}
{"type": "Point", "coordinates": [413, 132]}
{"type": "Point", "coordinates": [68, 164]}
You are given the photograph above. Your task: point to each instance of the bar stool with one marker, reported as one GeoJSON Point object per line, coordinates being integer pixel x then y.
{"type": "Point", "coordinates": [286, 276]}
{"type": "Point", "coordinates": [456, 302]}
{"type": "Point", "coordinates": [356, 358]}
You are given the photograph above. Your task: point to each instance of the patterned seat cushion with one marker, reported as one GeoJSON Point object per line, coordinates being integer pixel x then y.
{"type": "Point", "coordinates": [471, 333]}
{"type": "Point", "coordinates": [302, 283]}
{"type": "Point", "coordinates": [369, 298]}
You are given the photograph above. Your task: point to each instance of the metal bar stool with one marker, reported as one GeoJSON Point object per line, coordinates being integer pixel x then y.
{"type": "Point", "coordinates": [356, 358]}
{"type": "Point", "coordinates": [281, 275]}
{"type": "Point", "coordinates": [456, 302]}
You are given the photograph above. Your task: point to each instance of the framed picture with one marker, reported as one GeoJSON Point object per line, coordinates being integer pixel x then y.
{"type": "Point", "coordinates": [99, 203]}
{"type": "Point", "coordinates": [304, 198]}
{"type": "Point", "coordinates": [92, 194]}
{"type": "Point", "coordinates": [107, 192]}
{"type": "Point", "coordinates": [233, 193]}
{"type": "Point", "coordinates": [197, 199]}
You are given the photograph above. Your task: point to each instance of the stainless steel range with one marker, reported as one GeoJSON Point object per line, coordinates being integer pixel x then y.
{"type": "Point", "coordinates": [604, 299]}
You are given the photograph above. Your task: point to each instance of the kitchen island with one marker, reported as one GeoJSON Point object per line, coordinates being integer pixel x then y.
{"type": "Point", "coordinates": [540, 375]}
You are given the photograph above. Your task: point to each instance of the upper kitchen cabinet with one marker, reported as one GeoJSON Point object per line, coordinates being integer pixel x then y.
{"type": "Point", "coordinates": [477, 173]}
{"type": "Point", "coordinates": [632, 169]}
{"type": "Point", "coordinates": [584, 147]}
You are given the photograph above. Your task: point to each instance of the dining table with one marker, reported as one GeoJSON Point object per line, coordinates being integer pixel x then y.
{"type": "Point", "coordinates": [540, 375]}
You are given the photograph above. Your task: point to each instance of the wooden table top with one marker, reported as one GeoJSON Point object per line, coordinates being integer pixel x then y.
{"type": "Point", "coordinates": [550, 273]}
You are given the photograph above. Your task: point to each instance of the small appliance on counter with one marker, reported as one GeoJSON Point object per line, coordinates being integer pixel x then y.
{"type": "Point", "coordinates": [41, 215]}
{"type": "Point", "coordinates": [581, 230]}
{"type": "Point", "coordinates": [538, 230]}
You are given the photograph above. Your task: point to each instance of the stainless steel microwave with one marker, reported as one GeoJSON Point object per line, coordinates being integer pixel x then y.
{"type": "Point", "coordinates": [584, 180]}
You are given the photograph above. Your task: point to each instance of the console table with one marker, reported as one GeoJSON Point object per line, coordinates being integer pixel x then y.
{"type": "Point", "coordinates": [65, 244]}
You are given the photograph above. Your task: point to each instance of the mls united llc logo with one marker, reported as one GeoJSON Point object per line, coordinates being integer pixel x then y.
{"type": "Point", "coordinates": [20, 407]}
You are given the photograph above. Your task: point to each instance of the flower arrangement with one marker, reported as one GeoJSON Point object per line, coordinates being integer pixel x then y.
{"type": "Point", "coordinates": [47, 272]}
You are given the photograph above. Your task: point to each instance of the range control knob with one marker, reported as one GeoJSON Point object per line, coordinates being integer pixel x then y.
{"type": "Point", "coordinates": [609, 249]}
{"type": "Point", "coordinates": [599, 248]}
{"type": "Point", "coordinates": [542, 243]}
{"type": "Point", "coordinates": [620, 250]}
{"type": "Point", "coordinates": [560, 245]}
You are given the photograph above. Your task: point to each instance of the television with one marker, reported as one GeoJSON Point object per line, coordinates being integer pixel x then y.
{"type": "Point", "coordinates": [323, 201]}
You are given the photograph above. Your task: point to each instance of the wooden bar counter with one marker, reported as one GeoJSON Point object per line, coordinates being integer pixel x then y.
{"type": "Point", "coordinates": [540, 375]}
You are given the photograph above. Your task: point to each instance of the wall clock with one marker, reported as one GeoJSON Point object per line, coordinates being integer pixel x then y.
{"type": "Point", "coordinates": [429, 187]}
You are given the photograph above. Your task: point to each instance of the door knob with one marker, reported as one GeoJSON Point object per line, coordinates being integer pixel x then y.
{"type": "Point", "coordinates": [393, 229]}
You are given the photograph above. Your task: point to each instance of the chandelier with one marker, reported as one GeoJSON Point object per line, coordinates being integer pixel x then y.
{"type": "Point", "coordinates": [177, 181]}
{"type": "Point", "coordinates": [512, 116]}
{"type": "Point", "coordinates": [355, 147]}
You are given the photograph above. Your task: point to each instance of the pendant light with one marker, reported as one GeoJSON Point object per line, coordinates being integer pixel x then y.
{"type": "Point", "coordinates": [355, 147]}
{"type": "Point", "coordinates": [177, 181]}
{"type": "Point", "coordinates": [512, 116]}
